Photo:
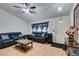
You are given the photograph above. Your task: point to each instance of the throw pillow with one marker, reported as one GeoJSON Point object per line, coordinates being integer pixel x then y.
{"type": "Point", "coordinates": [43, 34]}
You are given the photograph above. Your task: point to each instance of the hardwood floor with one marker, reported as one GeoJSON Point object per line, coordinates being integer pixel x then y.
{"type": "Point", "coordinates": [37, 50]}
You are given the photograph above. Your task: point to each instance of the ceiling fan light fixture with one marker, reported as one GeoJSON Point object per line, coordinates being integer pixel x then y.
{"type": "Point", "coordinates": [25, 10]}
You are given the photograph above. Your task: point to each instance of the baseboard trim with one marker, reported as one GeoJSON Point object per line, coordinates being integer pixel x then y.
{"type": "Point", "coordinates": [59, 45]}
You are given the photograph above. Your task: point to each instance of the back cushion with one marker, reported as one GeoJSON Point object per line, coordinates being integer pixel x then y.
{"type": "Point", "coordinates": [38, 34]}
{"type": "Point", "coordinates": [13, 36]}
{"type": "Point", "coordinates": [5, 37]}
{"type": "Point", "coordinates": [33, 34]}
{"type": "Point", "coordinates": [20, 35]}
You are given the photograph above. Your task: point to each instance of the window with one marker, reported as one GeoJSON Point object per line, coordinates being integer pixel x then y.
{"type": "Point", "coordinates": [40, 27]}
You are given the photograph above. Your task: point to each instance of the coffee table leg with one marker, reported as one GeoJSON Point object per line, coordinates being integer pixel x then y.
{"type": "Point", "coordinates": [32, 44]}
{"type": "Point", "coordinates": [25, 48]}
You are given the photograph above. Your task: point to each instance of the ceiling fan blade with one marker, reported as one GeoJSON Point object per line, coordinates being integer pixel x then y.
{"type": "Point", "coordinates": [17, 6]}
{"type": "Point", "coordinates": [33, 7]}
{"type": "Point", "coordinates": [27, 4]}
{"type": "Point", "coordinates": [33, 12]}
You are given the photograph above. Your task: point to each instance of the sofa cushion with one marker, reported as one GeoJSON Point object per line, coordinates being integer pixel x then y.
{"type": "Point", "coordinates": [7, 41]}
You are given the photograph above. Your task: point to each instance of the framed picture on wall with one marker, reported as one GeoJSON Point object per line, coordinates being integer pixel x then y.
{"type": "Point", "coordinates": [76, 22]}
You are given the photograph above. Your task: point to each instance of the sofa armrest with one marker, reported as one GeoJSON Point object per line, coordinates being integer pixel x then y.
{"type": "Point", "coordinates": [1, 43]}
{"type": "Point", "coordinates": [46, 36]}
{"type": "Point", "coordinates": [29, 36]}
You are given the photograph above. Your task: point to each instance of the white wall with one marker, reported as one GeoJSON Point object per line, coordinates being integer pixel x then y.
{"type": "Point", "coordinates": [62, 28]}
{"type": "Point", "coordinates": [11, 23]}
{"type": "Point", "coordinates": [54, 22]}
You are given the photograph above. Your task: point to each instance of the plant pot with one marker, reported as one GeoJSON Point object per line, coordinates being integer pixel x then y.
{"type": "Point", "coordinates": [71, 43]}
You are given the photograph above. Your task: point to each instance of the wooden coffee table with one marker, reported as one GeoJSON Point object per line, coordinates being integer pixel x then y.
{"type": "Point", "coordinates": [24, 44]}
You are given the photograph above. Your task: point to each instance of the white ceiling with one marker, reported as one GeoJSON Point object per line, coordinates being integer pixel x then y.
{"type": "Point", "coordinates": [44, 10]}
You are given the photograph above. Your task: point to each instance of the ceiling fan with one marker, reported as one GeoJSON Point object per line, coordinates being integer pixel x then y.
{"type": "Point", "coordinates": [27, 7]}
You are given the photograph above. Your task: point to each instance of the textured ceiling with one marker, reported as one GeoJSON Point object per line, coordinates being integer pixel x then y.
{"type": "Point", "coordinates": [43, 10]}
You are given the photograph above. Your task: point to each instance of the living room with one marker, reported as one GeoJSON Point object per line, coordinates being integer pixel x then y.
{"type": "Point", "coordinates": [42, 24]}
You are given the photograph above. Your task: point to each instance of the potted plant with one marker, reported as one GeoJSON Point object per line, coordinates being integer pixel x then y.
{"type": "Point", "coordinates": [71, 33]}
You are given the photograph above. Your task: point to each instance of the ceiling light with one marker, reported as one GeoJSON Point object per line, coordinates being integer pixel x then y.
{"type": "Point", "coordinates": [59, 9]}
